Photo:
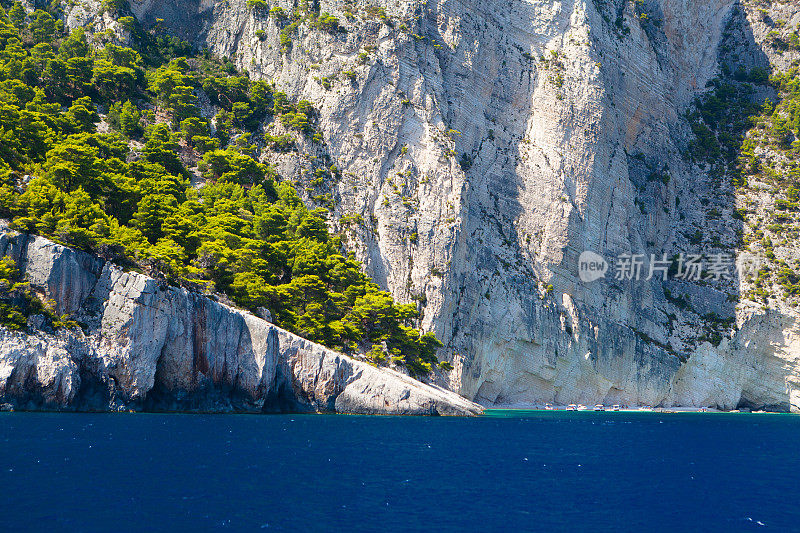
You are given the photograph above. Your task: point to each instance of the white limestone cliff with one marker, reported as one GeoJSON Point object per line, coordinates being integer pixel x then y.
{"type": "Point", "coordinates": [485, 145]}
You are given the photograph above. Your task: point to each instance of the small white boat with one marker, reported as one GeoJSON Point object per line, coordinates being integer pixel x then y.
{"type": "Point", "coordinates": [646, 408]}
{"type": "Point", "coordinates": [572, 407]}
{"type": "Point", "coordinates": [615, 407]}
{"type": "Point", "coordinates": [599, 407]}
{"type": "Point", "coordinates": [581, 407]}
{"type": "Point", "coordinates": [548, 407]}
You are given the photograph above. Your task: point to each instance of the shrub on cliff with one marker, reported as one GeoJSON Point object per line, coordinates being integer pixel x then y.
{"type": "Point", "coordinates": [258, 5]}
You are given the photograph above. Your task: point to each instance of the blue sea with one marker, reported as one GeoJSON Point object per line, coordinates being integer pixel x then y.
{"type": "Point", "coordinates": [506, 471]}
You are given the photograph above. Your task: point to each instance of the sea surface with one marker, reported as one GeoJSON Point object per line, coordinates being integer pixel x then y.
{"type": "Point", "coordinates": [506, 471]}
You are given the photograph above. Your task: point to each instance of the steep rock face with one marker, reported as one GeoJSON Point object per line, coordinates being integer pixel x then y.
{"type": "Point", "coordinates": [153, 347]}
{"type": "Point", "coordinates": [485, 145]}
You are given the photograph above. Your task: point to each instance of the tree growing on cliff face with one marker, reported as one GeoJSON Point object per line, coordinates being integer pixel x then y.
{"type": "Point", "coordinates": [112, 6]}
{"type": "Point", "coordinates": [125, 118]}
{"type": "Point", "coordinates": [258, 5]}
{"type": "Point", "coordinates": [17, 15]}
{"type": "Point", "coordinates": [43, 27]}
{"type": "Point", "coordinates": [326, 22]}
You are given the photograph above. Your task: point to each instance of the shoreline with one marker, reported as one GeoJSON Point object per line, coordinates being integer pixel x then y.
{"type": "Point", "coordinates": [643, 409]}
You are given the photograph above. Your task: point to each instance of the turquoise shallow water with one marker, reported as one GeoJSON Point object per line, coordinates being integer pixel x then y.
{"type": "Point", "coordinates": [505, 471]}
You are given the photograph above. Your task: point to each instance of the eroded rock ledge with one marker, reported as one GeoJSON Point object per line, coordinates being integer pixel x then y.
{"type": "Point", "coordinates": [146, 346]}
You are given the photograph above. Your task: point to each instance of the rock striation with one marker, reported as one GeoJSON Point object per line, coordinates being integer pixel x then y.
{"type": "Point", "coordinates": [485, 145]}
{"type": "Point", "coordinates": [143, 345]}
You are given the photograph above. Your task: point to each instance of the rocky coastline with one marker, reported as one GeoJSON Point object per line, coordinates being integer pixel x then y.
{"type": "Point", "coordinates": [146, 346]}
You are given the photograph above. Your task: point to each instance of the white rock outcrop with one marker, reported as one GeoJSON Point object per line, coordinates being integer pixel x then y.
{"type": "Point", "coordinates": [153, 347]}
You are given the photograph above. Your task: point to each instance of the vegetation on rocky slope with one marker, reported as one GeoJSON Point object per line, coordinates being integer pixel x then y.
{"type": "Point", "coordinates": [769, 161]}
{"type": "Point", "coordinates": [111, 148]}
{"type": "Point", "coordinates": [753, 141]}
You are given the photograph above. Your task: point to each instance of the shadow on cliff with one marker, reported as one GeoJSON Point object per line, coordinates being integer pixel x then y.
{"type": "Point", "coordinates": [489, 102]}
{"type": "Point", "coordinates": [720, 121]}
{"type": "Point", "coordinates": [187, 19]}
